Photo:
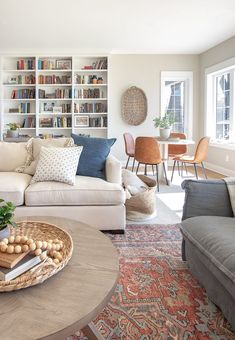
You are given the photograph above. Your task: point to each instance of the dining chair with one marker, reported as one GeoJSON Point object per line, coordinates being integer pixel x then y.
{"type": "Point", "coordinates": [129, 148]}
{"type": "Point", "coordinates": [147, 152]}
{"type": "Point", "coordinates": [177, 150]}
{"type": "Point", "coordinates": [198, 158]}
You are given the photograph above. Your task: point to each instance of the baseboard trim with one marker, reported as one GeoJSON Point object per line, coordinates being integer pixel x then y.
{"type": "Point", "coordinates": [221, 170]}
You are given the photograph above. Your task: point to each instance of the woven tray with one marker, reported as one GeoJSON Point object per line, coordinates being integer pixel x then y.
{"type": "Point", "coordinates": [134, 106]}
{"type": "Point", "coordinates": [38, 274]}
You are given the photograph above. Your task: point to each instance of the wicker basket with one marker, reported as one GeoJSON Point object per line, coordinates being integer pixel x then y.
{"type": "Point", "coordinates": [41, 272]}
{"type": "Point", "coordinates": [143, 205]}
{"type": "Point", "coordinates": [134, 106]}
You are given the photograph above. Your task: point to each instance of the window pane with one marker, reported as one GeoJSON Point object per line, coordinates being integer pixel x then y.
{"type": "Point", "coordinates": [222, 106]}
{"type": "Point", "coordinates": [174, 102]}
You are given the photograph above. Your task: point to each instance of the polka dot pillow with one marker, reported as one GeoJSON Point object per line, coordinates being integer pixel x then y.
{"type": "Point", "coordinates": [57, 164]}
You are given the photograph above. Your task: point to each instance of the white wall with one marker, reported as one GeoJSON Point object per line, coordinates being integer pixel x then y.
{"type": "Point", "coordinates": [144, 71]}
{"type": "Point", "coordinates": [218, 159]}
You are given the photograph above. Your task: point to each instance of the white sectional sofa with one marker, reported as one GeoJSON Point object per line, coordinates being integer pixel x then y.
{"type": "Point", "coordinates": [94, 201]}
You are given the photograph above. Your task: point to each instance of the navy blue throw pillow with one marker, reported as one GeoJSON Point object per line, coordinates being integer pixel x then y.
{"type": "Point", "coordinates": [93, 156]}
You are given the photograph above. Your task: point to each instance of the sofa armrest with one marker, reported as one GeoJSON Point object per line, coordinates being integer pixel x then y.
{"type": "Point", "coordinates": [206, 198]}
{"type": "Point", "coordinates": [113, 170]}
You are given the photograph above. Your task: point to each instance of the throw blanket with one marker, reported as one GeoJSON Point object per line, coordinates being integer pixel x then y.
{"type": "Point", "coordinates": [230, 181]}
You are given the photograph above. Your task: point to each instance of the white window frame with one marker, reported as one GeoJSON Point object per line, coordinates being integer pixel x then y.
{"type": "Point", "coordinates": [211, 73]}
{"type": "Point", "coordinates": [186, 76]}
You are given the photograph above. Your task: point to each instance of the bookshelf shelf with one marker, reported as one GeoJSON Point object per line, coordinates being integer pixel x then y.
{"type": "Point", "coordinates": [91, 70]}
{"type": "Point", "coordinates": [89, 99]}
{"type": "Point", "coordinates": [19, 85]}
{"type": "Point", "coordinates": [55, 128]}
{"type": "Point", "coordinates": [54, 85]}
{"type": "Point", "coordinates": [55, 79]}
{"type": "Point", "coordinates": [90, 85]}
{"type": "Point", "coordinates": [19, 71]}
{"type": "Point", "coordinates": [19, 114]}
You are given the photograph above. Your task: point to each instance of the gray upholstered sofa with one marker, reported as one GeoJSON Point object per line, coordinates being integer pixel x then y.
{"type": "Point", "coordinates": [208, 229]}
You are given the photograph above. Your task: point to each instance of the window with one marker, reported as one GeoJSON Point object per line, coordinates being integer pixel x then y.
{"type": "Point", "coordinates": [220, 122]}
{"type": "Point", "coordinates": [176, 98]}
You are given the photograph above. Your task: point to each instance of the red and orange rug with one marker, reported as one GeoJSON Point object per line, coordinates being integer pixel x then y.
{"type": "Point", "coordinates": [156, 296]}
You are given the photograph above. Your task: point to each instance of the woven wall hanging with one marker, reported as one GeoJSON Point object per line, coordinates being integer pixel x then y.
{"type": "Point", "coordinates": [134, 106]}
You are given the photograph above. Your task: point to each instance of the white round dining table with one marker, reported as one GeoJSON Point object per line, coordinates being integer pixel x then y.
{"type": "Point", "coordinates": [164, 149]}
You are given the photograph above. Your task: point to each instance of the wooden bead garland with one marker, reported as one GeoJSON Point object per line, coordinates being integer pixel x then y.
{"type": "Point", "coordinates": [21, 244]}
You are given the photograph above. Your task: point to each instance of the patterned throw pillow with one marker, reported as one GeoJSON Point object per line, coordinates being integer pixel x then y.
{"type": "Point", "coordinates": [57, 164]}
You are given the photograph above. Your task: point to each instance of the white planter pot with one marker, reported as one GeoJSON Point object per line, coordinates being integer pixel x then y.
{"type": "Point", "coordinates": [165, 133]}
{"type": "Point", "coordinates": [13, 133]}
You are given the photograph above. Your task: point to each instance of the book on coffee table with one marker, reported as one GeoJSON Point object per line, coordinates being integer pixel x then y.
{"type": "Point", "coordinates": [10, 260]}
{"type": "Point", "coordinates": [28, 262]}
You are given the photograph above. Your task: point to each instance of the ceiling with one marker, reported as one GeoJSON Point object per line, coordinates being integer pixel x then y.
{"type": "Point", "coordinates": [116, 26]}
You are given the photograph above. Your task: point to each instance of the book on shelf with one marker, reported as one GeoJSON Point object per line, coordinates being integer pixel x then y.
{"type": "Point", "coordinates": [54, 79]}
{"type": "Point", "coordinates": [23, 94]}
{"type": "Point", "coordinates": [46, 64]}
{"type": "Point", "coordinates": [88, 93]}
{"type": "Point", "coordinates": [22, 108]}
{"type": "Point", "coordinates": [90, 108]}
{"type": "Point", "coordinates": [25, 64]}
{"type": "Point", "coordinates": [56, 122]}
{"type": "Point", "coordinates": [97, 65]}
{"type": "Point", "coordinates": [98, 122]}
{"type": "Point", "coordinates": [58, 94]}
{"type": "Point", "coordinates": [27, 262]}
{"type": "Point", "coordinates": [29, 122]}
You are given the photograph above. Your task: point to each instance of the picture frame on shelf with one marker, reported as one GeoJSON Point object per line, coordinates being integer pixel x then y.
{"type": "Point", "coordinates": [64, 64]}
{"type": "Point", "coordinates": [12, 80]}
{"type": "Point", "coordinates": [81, 121]}
{"type": "Point", "coordinates": [57, 109]}
{"type": "Point", "coordinates": [48, 107]}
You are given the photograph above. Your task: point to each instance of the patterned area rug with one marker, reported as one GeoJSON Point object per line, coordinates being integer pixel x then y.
{"type": "Point", "coordinates": [157, 297]}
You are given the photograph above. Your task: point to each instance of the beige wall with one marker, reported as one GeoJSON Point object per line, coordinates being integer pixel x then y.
{"type": "Point", "coordinates": [144, 71]}
{"type": "Point", "coordinates": [220, 159]}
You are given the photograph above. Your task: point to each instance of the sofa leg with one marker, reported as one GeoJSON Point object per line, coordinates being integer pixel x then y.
{"type": "Point", "coordinates": [114, 232]}
{"type": "Point", "coordinates": [183, 250]}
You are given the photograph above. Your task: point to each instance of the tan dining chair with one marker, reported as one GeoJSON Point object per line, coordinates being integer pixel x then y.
{"type": "Point", "coordinates": [198, 158]}
{"type": "Point", "coordinates": [147, 152]}
{"type": "Point", "coordinates": [177, 150]}
{"type": "Point", "coordinates": [129, 148]}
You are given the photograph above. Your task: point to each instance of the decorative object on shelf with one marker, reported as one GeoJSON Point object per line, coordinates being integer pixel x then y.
{"type": "Point", "coordinates": [81, 121]}
{"type": "Point", "coordinates": [64, 64]}
{"type": "Point", "coordinates": [134, 106]}
{"type": "Point", "coordinates": [165, 123]}
{"type": "Point", "coordinates": [38, 231]}
{"type": "Point", "coordinates": [100, 80]}
{"type": "Point", "coordinates": [13, 130]}
{"type": "Point", "coordinates": [6, 218]}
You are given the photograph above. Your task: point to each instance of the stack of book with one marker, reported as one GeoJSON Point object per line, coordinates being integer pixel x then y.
{"type": "Point", "coordinates": [23, 94]}
{"type": "Point", "coordinates": [13, 265]}
{"type": "Point", "coordinates": [25, 64]}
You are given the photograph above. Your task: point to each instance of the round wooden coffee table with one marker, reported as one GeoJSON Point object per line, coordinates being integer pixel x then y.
{"type": "Point", "coordinates": [70, 300]}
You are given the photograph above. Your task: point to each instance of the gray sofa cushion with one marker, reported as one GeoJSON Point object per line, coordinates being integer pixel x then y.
{"type": "Point", "coordinates": [215, 238]}
{"type": "Point", "coordinates": [206, 198]}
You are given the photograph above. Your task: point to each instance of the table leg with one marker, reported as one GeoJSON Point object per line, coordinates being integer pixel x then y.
{"type": "Point", "coordinates": [91, 332]}
{"type": "Point", "coordinates": [164, 152]}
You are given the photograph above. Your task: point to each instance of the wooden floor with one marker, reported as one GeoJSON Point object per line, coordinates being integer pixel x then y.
{"type": "Point", "coordinates": [210, 174]}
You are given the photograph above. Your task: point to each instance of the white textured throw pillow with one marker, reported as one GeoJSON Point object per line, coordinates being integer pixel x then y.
{"type": "Point", "coordinates": [57, 164]}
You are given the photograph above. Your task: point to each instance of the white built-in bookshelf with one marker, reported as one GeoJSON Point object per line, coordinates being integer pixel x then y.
{"type": "Point", "coordinates": [54, 95]}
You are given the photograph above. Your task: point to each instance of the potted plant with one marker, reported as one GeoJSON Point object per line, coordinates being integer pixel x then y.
{"type": "Point", "coordinates": [6, 218]}
{"type": "Point", "coordinates": [165, 123]}
{"type": "Point", "coordinates": [13, 131]}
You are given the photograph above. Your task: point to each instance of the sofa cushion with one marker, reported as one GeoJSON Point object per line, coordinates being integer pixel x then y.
{"type": "Point", "coordinates": [33, 151]}
{"type": "Point", "coordinates": [12, 186]}
{"type": "Point", "coordinates": [57, 164]}
{"type": "Point", "coordinates": [13, 154]}
{"type": "Point", "coordinates": [86, 191]}
{"type": "Point", "coordinates": [215, 237]}
{"type": "Point", "coordinates": [94, 154]}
